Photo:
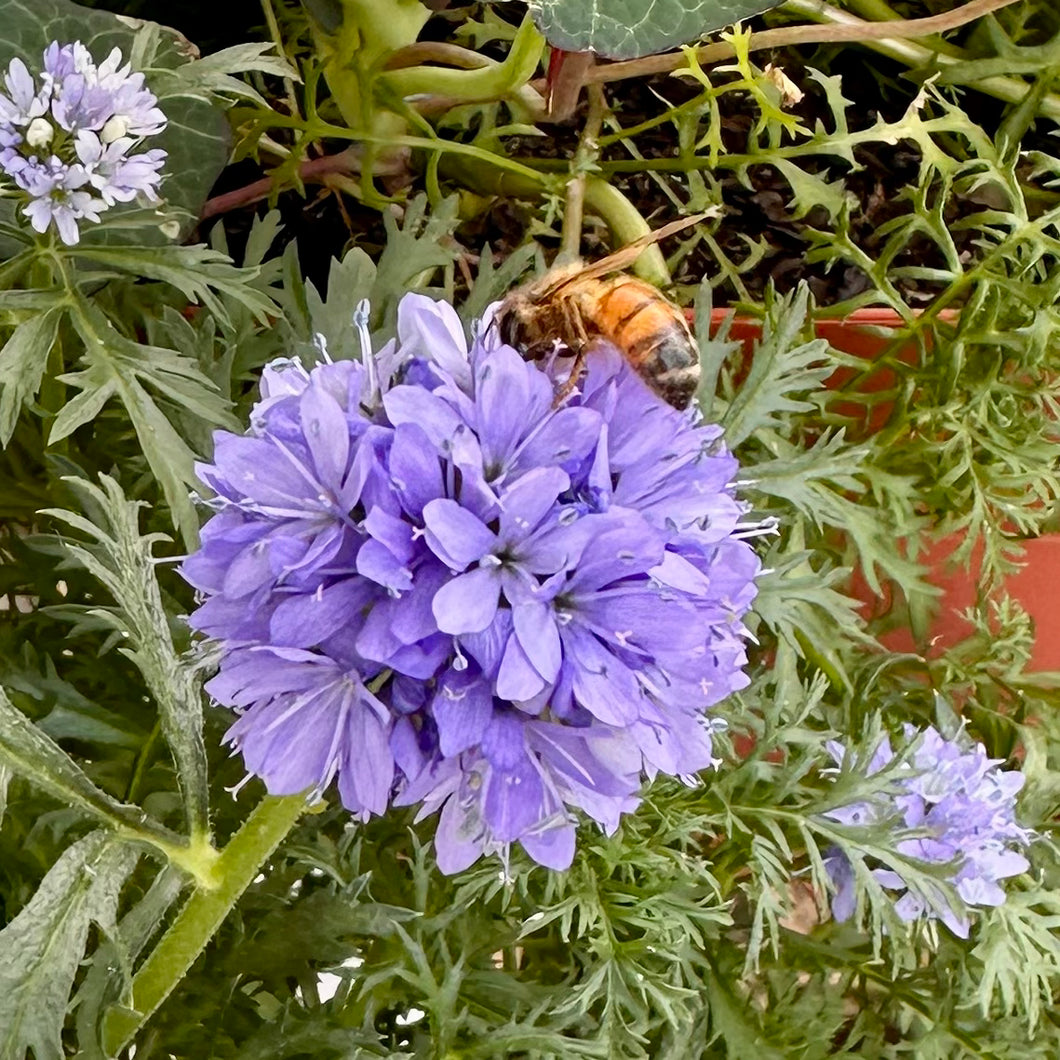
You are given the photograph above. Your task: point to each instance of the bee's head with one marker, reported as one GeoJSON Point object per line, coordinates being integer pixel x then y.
{"type": "Point", "coordinates": [512, 319]}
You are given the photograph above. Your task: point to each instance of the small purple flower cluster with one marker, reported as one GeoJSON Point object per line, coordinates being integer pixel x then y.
{"type": "Point", "coordinates": [963, 809]}
{"type": "Point", "coordinates": [66, 137]}
{"type": "Point", "coordinates": [435, 587]}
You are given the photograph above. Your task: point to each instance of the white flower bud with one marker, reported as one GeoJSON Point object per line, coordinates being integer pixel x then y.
{"type": "Point", "coordinates": [115, 128]}
{"type": "Point", "coordinates": [39, 132]}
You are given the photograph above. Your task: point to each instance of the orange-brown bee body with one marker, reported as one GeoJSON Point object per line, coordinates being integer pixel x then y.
{"type": "Point", "coordinates": [572, 305]}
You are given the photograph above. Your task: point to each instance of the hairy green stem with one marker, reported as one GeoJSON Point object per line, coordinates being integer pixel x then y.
{"type": "Point", "coordinates": [203, 914]}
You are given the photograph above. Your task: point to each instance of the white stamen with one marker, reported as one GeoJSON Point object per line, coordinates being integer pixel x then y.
{"type": "Point", "coordinates": [361, 316]}
{"type": "Point", "coordinates": [321, 344]}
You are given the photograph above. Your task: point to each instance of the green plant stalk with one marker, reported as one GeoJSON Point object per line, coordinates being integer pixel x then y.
{"type": "Point", "coordinates": [584, 160]}
{"type": "Point", "coordinates": [201, 916]}
{"type": "Point", "coordinates": [626, 224]}
{"type": "Point", "coordinates": [881, 11]}
{"type": "Point", "coordinates": [277, 40]}
{"type": "Point", "coordinates": [354, 53]}
{"type": "Point", "coordinates": [1009, 89]}
{"type": "Point", "coordinates": [353, 56]}
{"type": "Point", "coordinates": [619, 214]}
{"type": "Point", "coordinates": [492, 81]}
{"type": "Point", "coordinates": [622, 218]}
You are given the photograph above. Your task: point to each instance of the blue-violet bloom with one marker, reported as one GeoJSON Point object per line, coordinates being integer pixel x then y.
{"type": "Point", "coordinates": [963, 809]}
{"type": "Point", "coordinates": [68, 137]}
{"type": "Point", "coordinates": [433, 586]}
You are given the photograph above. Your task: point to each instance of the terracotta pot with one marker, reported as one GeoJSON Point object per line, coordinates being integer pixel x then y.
{"type": "Point", "coordinates": [1036, 586]}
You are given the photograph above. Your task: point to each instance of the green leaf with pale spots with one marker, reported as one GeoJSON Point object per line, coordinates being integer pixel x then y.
{"type": "Point", "coordinates": [627, 29]}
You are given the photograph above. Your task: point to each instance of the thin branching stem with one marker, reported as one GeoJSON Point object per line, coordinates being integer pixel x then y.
{"type": "Point", "coordinates": [848, 29]}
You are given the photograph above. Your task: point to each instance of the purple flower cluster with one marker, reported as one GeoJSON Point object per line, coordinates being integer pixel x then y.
{"type": "Point", "coordinates": [963, 809]}
{"type": "Point", "coordinates": [437, 588]}
{"type": "Point", "coordinates": [66, 137]}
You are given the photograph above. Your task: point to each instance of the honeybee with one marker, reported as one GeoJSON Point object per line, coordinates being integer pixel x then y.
{"type": "Point", "coordinates": [575, 305]}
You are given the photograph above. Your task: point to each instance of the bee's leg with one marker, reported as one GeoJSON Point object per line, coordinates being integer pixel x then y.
{"type": "Point", "coordinates": [564, 391]}
{"type": "Point", "coordinates": [576, 328]}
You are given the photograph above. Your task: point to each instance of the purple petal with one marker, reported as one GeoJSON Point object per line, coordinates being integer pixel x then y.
{"type": "Point", "coordinates": [391, 531]}
{"type": "Point", "coordinates": [460, 836]}
{"type": "Point", "coordinates": [552, 847]}
{"type": "Point", "coordinates": [504, 742]}
{"type": "Point", "coordinates": [529, 500]}
{"type": "Point", "coordinates": [568, 437]}
{"type": "Point", "coordinates": [535, 626]}
{"type": "Point", "coordinates": [603, 684]}
{"type": "Point", "coordinates": [414, 468]}
{"type": "Point", "coordinates": [462, 711]}
{"type": "Point", "coordinates": [433, 331]}
{"type": "Point", "coordinates": [376, 562]}
{"type": "Point", "coordinates": [327, 433]}
{"type": "Point", "coordinates": [436, 418]}
{"type": "Point", "coordinates": [368, 772]}
{"type": "Point", "coordinates": [468, 604]}
{"type": "Point", "coordinates": [517, 680]}
{"type": "Point", "coordinates": [456, 537]}
{"type": "Point", "coordinates": [305, 619]}
{"type": "Point", "coordinates": [512, 801]}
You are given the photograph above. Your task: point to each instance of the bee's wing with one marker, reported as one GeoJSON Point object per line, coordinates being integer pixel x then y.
{"type": "Point", "coordinates": [620, 259]}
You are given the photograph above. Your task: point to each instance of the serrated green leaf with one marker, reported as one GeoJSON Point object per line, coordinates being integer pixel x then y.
{"type": "Point", "coordinates": [494, 282]}
{"type": "Point", "coordinates": [212, 76]}
{"type": "Point", "coordinates": [30, 754]}
{"type": "Point", "coordinates": [40, 949]}
{"type": "Point", "coordinates": [781, 368]}
{"type": "Point", "coordinates": [123, 560]}
{"type": "Point", "coordinates": [1019, 946]}
{"type": "Point", "coordinates": [196, 271]}
{"type": "Point", "coordinates": [108, 979]}
{"type": "Point", "coordinates": [626, 29]}
{"type": "Point", "coordinates": [118, 366]}
{"type": "Point", "coordinates": [22, 363]}
{"type": "Point", "coordinates": [72, 716]}
{"type": "Point", "coordinates": [811, 191]}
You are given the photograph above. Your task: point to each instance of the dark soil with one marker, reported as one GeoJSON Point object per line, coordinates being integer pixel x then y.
{"type": "Point", "coordinates": [761, 213]}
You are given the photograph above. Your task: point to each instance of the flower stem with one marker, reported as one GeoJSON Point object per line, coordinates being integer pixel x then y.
{"type": "Point", "coordinates": [201, 916]}
{"type": "Point", "coordinates": [626, 224]}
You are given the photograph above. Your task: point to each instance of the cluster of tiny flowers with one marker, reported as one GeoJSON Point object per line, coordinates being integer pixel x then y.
{"type": "Point", "coordinates": [67, 137]}
{"type": "Point", "coordinates": [436, 588]}
{"type": "Point", "coordinates": [963, 809]}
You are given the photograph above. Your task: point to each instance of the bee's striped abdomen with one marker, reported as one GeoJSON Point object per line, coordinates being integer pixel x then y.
{"type": "Point", "coordinates": [654, 336]}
